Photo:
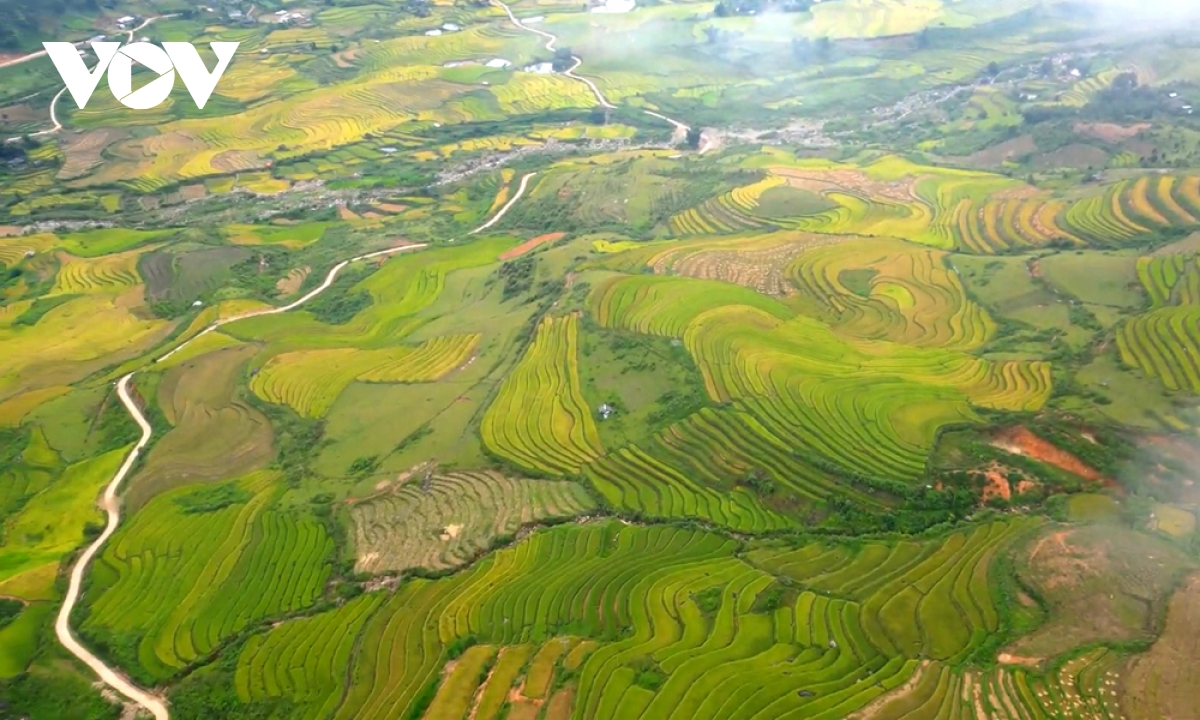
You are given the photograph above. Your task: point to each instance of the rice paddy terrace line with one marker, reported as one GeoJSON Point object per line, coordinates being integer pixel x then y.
{"type": "Point", "coordinates": [62, 626]}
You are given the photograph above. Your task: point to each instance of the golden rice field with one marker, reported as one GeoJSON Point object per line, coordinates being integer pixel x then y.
{"type": "Point", "coordinates": [309, 381]}
{"type": "Point", "coordinates": [107, 273]}
{"type": "Point", "coordinates": [1164, 344]}
{"type": "Point", "coordinates": [539, 418]}
{"type": "Point", "coordinates": [944, 208]}
{"type": "Point", "coordinates": [913, 296]}
{"type": "Point", "coordinates": [804, 381]}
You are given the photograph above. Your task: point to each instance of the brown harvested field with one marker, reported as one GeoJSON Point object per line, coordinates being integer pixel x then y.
{"type": "Point", "coordinates": [84, 151]}
{"type": "Point", "coordinates": [1018, 147]}
{"type": "Point", "coordinates": [1111, 132]}
{"type": "Point", "coordinates": [391, 207]}
{"type": "Point", "coordinates": [290, 284]}
{"type": "Point", "coordinates": [1164, 682]}
{"type": "Point", "coordinates": [1101, 583]}
{"type": "Point", "coordinates": [11, 230]}
{"type": "Point", "coordinates": [193, 192]}
{"type": "Point", "coordinates": [760, 268]}
{"type": "Point", "coordinates": [824, 180]}
{"type": "Point", "coordinates": [231, 161]}
{"type": "Point", "coordinates": [215, 436]}
{"type": "Point", "coordinates": [559, 707]}
{"type": "Point", "coordinates": [22, 113]}
{"type": "Point", "coordinates": [346, 58]}
{"type": "Point", "coordinates": [1076, 155]}
{"type": "Point", "coordinates": [1021, 441]}
{"type": "Point", "coordinates": [530, 244]}
{"type": "Point", "coordinates": [346, 213]}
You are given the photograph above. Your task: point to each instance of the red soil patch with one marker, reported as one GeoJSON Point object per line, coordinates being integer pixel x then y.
{"type": "Point", "coordinates": [1020, 441]}
{"type": "Point", "coordinates": [528, 245]}
{"type": "Point", "coordinates": [1109, 132]}
{"type": "Point", "coordinates": [997, 485]}
{"type": "Point", "coordinates": [517, 695]}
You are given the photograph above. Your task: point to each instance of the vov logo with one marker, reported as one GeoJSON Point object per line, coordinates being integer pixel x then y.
{"type": "Point", "coordinates": [172, 57]}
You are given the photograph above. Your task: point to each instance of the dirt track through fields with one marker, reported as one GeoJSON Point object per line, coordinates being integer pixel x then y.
{"type": "Point", "coordinates": [110, 503]}
{"type": "Point", "coordinates": [551, 39]}
{"type": "Point", "coordinates": [54, 100]}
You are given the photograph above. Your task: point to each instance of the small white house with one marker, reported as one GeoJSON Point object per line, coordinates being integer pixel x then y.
{"type": "Point", "coordinates": [387, 150]}
{"type": "Point", "coordinates": [451, 27]}
{"type": "Point", "coordinates": [542, 68]}
{"type": "Point", "coordinates": [498, 63]}
{"type": "Point", "coordinates": [433, 33]}
{"type": "Point", "coordinates": [125, 20]}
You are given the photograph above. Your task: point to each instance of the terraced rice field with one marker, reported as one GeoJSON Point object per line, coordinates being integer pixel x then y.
{"type": "Point", "coordinates": [181, 581]}
{"type": "Point", "coordinates": [1164, 344]}
{"type": "Point", "coordinates": [1171, 279]}
{"type": "Point", "coordinates": [539, 418]}
{"type": "Point", "coordinates": [690, 470]}
{"type": "Point", "coordinates": [214, 436]}
{"type": "Point", "coordinates": [807, 384]}
{"type": "Point", "coordinates": [913, 297]}
{"type": "Point", "coordinates": [1085, 687]}
{"type": "Point", "coordinates": [107, 273]}
{"type": "Point", "coordinates": [453, 518]}
{"type": "Point", "coordinates": [718, 635]}
{"type": "Point", "coordinates": [948, 209]}
{"type": "Point", "coordinates": [309, 381]}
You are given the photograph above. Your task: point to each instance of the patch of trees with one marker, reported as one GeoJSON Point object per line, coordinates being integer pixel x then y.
{"type": "Point", "coordinates": [340, 303]}
{"type": "Point", "coordinates": [9, 609]}
{"type": "Point", "coordinates": [563, 59]}
{"type": "Point", "coordinates": [212, 498]}
{"type": "Point", "coordinates": [26, 21]}
{"type": "Point", "coordinates": [517, 276]}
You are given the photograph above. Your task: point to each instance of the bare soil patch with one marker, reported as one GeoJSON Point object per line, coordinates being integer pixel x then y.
{"type": "Point", "coordinates": [1021, 441]}
{"type": "Point", "coordinates": [530, 244]}
{"type": "Point", "coordinates": [1164, 682]}
{"type": "Point", "coordinates": [1111, 132]}
{"type": "Point", "coordinates": [1101, 583]}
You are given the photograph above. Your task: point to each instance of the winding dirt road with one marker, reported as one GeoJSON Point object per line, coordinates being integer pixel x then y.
{"type": "Point", "coordinates": [500, 213]}
{"type": "Point", "coordinates": [54, 100]}
{"type": "Point", "coordinates": [552, 39]}
{"type": "Point", "coordinates": [110, 502]}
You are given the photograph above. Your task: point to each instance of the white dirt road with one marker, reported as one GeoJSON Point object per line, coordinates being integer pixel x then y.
{"type": "Point", "coordinates": [111, 504]}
